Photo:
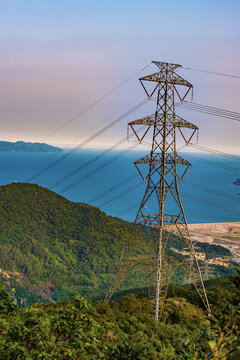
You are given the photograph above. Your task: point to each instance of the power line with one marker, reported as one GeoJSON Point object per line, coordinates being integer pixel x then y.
{"type": "Point", "coordinates": [212, 111]}
{"type": "Point", "coordinates": [209, 112]}
{"type": "Point", "coordinates": [95, 103]}
{"type": "Point", "coordinates": [89, 130]}
{"type": "Point", "coordinates": [84, 166]}
{"type": "Point", "coordinates": [93, 128]}
{"type": "Point", "coordinates": [87, 108]}
{"type": "Point", "coordinates": [86, 142]}
{"type": "Point", "coordinates": [232, 115]}
{"type": "Point", "coordinates": [128, 209]}
{"type": "Point", "coordinates": [212, 72]}
{"type": "Point", "coordinates": [195, 199]}
{"type": "Point", "coordinates": [203, 188]}
{"type": "Point", "coordinates": [123, 182]}
{"type": "Point", "coordinates": [230, 112]}
{"type": "Point", "coordinates": [97, 157]}
{"type": "Point", "coordinates": [122, 194]}
{"type": "Point", "coordinates": [209, 203]}
{"type": "Point", "coordinates": [216, 152]}
{"type": "Point", "coordinates": [207, 189]}
{"type": "Point", "coordinates": [230, 168]}
{"type": "Point", "coordinates": [92, 172]}
{"type": "Point", "coordinates": [117, 186]}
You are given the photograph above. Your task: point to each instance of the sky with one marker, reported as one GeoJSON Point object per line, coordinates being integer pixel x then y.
{"type": "Point", "coordinates": [57, 57]}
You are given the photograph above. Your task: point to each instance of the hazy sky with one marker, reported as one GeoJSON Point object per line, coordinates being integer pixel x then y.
{"type": "Point", "coordinates": [59, 56]}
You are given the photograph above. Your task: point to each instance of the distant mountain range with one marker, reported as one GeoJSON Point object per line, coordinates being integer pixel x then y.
{"type": "Point", "coordinates": [27, 147]}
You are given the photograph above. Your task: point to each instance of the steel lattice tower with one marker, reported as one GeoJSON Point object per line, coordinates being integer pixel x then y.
{"type": "Point", "coordinates": [162, 171]}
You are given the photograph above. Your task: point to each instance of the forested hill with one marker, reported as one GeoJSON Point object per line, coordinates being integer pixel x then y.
{"type": "Point", "coordinates": [51, 248]}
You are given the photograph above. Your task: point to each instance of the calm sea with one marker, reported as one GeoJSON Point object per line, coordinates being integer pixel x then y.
{"type": "Point", "coordinates": [111, 182]}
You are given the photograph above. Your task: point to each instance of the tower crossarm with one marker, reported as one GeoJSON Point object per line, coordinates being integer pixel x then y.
{"type": "Point", "coordinates": [153, 220]}
{"type": "Point", "coordinates": [151, 120]}
{"type": "Point", "coordinates": [157, 159]}
{"type": "Point", "coordinates": [172, 78]}
{"type": "Point", "coordinates": [181, 123]}
{"type": "Point", "coordinates": [172, 120]}
{"type": "Point", "coordinates": [166, 75]}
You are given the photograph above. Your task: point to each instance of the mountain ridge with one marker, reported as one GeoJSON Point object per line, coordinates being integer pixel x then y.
{"type": "Point", "coordinates": [22, 146]}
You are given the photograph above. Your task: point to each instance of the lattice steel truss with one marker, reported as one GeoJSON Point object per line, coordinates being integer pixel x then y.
{"type": "Point", "coordinates": [162, 171]}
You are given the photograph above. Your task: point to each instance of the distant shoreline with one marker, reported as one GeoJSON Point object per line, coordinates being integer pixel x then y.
{"type": "Point", "coordinates": [22, 146]}
{"type": "Point", "coordinates": [215, 223]}
{"type": "Point", "coordinates": [226, 234]}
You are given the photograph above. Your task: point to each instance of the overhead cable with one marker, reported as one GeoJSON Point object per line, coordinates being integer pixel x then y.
{"type": "Point", "coordinates": [210, 111]}
{"type": "Point", "coordinates": [230, 168]}
{"type": "Point", "coordinates": [85, 142]}
{"type": "Point", "coordinates": [212, 72]}
{"type": "Point", "coordinates": [215, 152]}
{"type": "Point", "coordinates": [95, 103]}
{"type": "Point", "coordinates": [92, 172]}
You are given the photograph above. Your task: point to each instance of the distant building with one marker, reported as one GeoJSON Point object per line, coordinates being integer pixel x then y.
{"type": "Point", "coordinates": [199, 255]}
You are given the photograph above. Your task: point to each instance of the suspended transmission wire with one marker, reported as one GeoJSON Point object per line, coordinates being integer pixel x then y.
{"type": "Point", "coordinates": [84, 166]}
{"type": "Point", "coordinates": [121, 141]}
{"type": "Point", "coordinates": [122, 194]}
{"type": "Point", "coordinates": [230, 168]}
{"type": "Point", "coordinates": [86, 109]}
{"type": "Point", "coordinates": [209, 203]}
{"type": "Point", "coordinates": [112, 189]}
{"type": "Point", "coordinates": [210, 110]}
{"type": "Point", "coordinates": [128, 209]}
{"type": "Point", "coordinates": [90, 130]}
{"type": "Point", "coordinates": [193, 198]}
{"type": "Point", "coordinates": [97, 157]}
{"type": "Point", "coordinates": [85, 142]}
{"type": "Point", "coordinates": [212, 72]}
{"type": "Point", "coordinates": [215, 152]}
{"type": "Point", "coordinates": [93, 128]}
{"type": "Point", "coordinates": [95, 103]}
{"type": "Point", "coordinates": [92, 172]}
{"type": "Point", "coordinates": [207, 189]}
{"type": "Point", "coordinates": [122, 182]}
{"type": "Point", "coordinates": [126, 191]}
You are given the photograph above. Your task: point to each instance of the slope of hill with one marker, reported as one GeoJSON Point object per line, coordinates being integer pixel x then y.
{"type": "Point", "coordinates": [51, 248]}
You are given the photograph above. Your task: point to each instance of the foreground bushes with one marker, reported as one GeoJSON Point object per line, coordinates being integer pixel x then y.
{"type": "Point", "coordinates": [124, 329]}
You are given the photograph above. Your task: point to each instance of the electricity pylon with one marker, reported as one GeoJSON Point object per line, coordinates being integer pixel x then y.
{"type": "Point", "coordinates": [162, 176]}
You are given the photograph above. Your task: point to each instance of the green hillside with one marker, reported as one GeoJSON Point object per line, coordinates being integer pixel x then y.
{"type": "Point", "coordinates": [52, 248]}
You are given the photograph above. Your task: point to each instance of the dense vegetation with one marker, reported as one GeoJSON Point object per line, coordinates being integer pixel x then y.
{"type": "Point", "coordinates": [51, 248]}
{"type": "Point", "coordinates": [124, 329]}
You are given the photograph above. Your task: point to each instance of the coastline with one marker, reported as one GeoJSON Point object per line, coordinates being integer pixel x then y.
{"type": "Point", "coordinates": [226, 234]}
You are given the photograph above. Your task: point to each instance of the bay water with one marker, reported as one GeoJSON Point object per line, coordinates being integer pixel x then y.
{"type": "Point", "coordinates": [110, 181]}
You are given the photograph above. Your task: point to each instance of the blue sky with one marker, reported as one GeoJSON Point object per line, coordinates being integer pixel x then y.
{"type": "Point", "coordinates": [57, 57]}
